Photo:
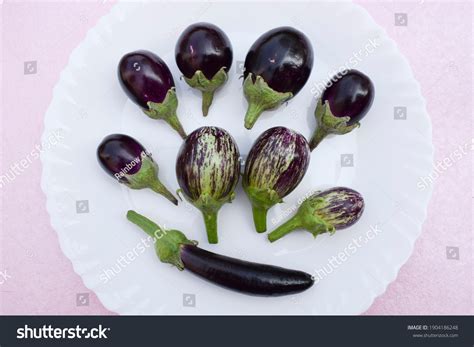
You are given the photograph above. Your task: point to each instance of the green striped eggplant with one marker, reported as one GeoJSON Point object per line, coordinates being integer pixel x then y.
{"type": "Point", "coordinates": [274, 167]}
{"type": "Point", "coordinates": [208, 170]}
{"type": "Point", "coordinates": [327, 211]}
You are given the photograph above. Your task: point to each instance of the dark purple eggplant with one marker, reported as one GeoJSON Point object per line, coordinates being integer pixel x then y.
{"type": "Point", "coordinates": [173, 247]}
{"type": "Point", "coordinates": [148, 82]}
{"type": "Point", "coordinates": [204, 56]}
{"type": "Point", "coordinates": [124, 158]}
{"type": "Point", "coordinates": [276, 164]}
{"type": "Point", "coordinates": [207, 168]}
{"type": "Point", "coordinates": [345, 101]}
{"type": "Point", "coordinates": [334, 209]}
{"type": "Point", "coordinates": [277, 66]}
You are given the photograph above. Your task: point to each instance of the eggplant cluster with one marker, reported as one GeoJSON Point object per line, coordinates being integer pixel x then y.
{"type": "Point", "coordinates": [208, 164]}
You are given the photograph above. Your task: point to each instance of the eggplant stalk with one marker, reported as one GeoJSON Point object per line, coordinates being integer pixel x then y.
{"type": "Point", "coordinates": [329, 124]}
{"type": "Point", "coordinates": [260, 98]}
{"type": "Point", "coordinates": [207, 87]}
{"type": "Point", "coordinates": [166, 111]}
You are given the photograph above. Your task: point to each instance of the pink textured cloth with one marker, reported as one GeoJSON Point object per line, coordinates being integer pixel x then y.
{"type": "Point", "coordinates": [36, 278]}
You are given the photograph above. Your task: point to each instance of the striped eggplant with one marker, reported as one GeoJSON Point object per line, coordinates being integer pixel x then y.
{"type": "Point", "coordinates": [327, 211]}
{"type": "Point", "coordinates": [207, 169]}
{"type": "Point", "coordinates": [274, 167]}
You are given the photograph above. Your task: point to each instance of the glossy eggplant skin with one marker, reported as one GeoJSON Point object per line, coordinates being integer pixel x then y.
{"type": "Point", "coordinates": [278, 160]}
{"type": "Point", "coordinates": [116, 151]}
{"type": "Point", "coordinates": [283, 57]}
{"type": "Point", "coordinates": [243, 276]}
{"type": "Point", "coordinates": [351, 96]}
{"type": "Point", "coordinates": [204, 47]}
{"type": "Point", "coordinates": [144, 77]}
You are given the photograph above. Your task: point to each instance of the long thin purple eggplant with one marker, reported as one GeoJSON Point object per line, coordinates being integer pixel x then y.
{"type": "Point", "coordinates": [173, 247]}
{"type": "Point", "coordinates": [277, 66]}
{"type": "Point", "coordinates": [124, 158]}
{"type": "Point", "coordinates": [345, 101]}
{"type": "Point", "coordinates": [333, 209]}
{"type": "Point", "coordinates": [204, 56]}
{"type": "Point", "coordinates": [276, 164]}
{"type": "Point", "coordinates": [207, 168]}
{"type": "Point", "coordinates": [148, 82]}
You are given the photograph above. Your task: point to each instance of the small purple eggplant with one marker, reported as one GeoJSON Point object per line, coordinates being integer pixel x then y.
{"type": "Point", "coordinates": [277, 66]}
{"type": "Point", "coordinates": [148, 82]}
{"type": "Point", "coordinates": [204, 56]}
{"type": "Point", "coordinates": [207, 169]}
{"type": "Point", "coordinates": [124, 158]}
{"type": "Point", "coordinates": [327, 211]}
{"type": "Point", "coordinates": [173, 247]}
{"type": "Point", "coordinates": [345, 101]}
{"type": "Point", "coordinates": [274, 167]}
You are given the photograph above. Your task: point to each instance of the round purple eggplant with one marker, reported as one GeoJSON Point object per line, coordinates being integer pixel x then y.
{"type": "Point", "coordinates": [207, 169]}
{"type": "Point", "coordinates": [173, 247]}
{"type": "Point", "coordinates": [124, 158]}
{"type": "Point", "coordinates": [274, 167]}
{"type": "Point", "coordinates": [204, 56]}
{"type": "Point", "coordinates": [327, 211]}
{"type": "Point", "coordinates": [148, 82]}
{"type": "Point", "coordinates": [345, 101]}
{"type": "Point", "coordinates": [277, 66]}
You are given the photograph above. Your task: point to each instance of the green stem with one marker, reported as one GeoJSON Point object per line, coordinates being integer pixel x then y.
{"type": "Point", "coordinates": [254, 111]}
{"type": "Point", "coordinates": [285, 228]}
{"type": "Point", "coordinates": [159, 188]}
{"type": "Point", "coordinates": [148, 226]}
{"type": "Point", "coordinates": [210, 219]}
{"type": "Point", "coordinates": [166, 111]}
{"type": "Point", "coordinates": [260, 218]}
{"type": "Point", "coordinates": [174, 122]}
{"type": "Point", "coordinates": [207, 98]}
{"type": "Point", "coordinates": [318, 136]}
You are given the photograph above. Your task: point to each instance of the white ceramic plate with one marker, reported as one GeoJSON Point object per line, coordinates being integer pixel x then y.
{"type": "Point", "coordinates": [389, 155]}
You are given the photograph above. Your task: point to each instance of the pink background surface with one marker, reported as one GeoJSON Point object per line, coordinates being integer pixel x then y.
{"type": "Point", "coordinates": [437, 43]}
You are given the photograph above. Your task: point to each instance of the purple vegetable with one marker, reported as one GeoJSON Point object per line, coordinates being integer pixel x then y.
{"type": "Point", "coordinates": [345, 101]}
{"type": "Point", "coordinates": [148, 82]}
{"type": "Point", "coordinates": [327, 211]}
{"type": "Point", "coordinates": [204, 56]}
{"type": "Point", "coordinates": [124, 158]}
{"type": "Point", "coordinates": [277, 66]}
{"type": "Point", "coordinates": [174, 248]}
{"type": "Point", "coordinates": [274, 167]}
{"type": "Point", "coordinates": [207, 169]}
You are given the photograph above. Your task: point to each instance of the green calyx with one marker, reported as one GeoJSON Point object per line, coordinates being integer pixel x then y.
{"type": "Point", "coordinates": [166, 111]}
{"type": "Point", "coordinates": [167, 242]}
{"type": "Point", "coordinates": [207, 87]}
{"type": "Point", "coordinates": [147, 177]}
{"type": "Point", "coordinates": [209, 206]}
{"type": "Point", "coordinates": [260, 97]}
{"type": "Point", "coordinates": [305, 218]}
{"type": "Point", "coordinates": [327, 124]}
{"type": "Point", "coordinates": [262, 199]}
